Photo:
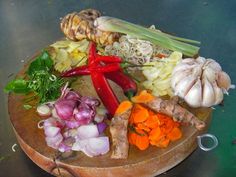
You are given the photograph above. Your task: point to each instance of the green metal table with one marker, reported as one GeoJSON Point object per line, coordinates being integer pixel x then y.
{"type": "Point", "coordinates": [27, 26]}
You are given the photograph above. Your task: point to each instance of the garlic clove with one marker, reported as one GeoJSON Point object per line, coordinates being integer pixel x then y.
{"type": "Point", "coordinates": [218, 93]}
{"type": "Point", "coordinates": [194, 95]}
{"type": "Point", "coordinates": [197, 71]}
{"type": "Point", "coordinates": [210, 74]}
{"type": "Point", "coordinates": [188, 60]}
{"type": "Point", "coordinates": [200, 60]}
{"type": "Point", "coordinates": [208, 95]}
{"type": "Point", "coordinates": [184, 85]}
{"type": "Point", "coordinates": [213, 64]}
{"type": "Point", "coordinates": [223, 80]}
{"type": "Point", "coordinates": [178, 77]}
{"type": "Point", "coordinates": [183, 67]}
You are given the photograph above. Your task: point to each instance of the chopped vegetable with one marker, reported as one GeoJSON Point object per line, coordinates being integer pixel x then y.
{"type": "Point", "coordinates": [40, 80]}
{"type": "Point", "coordinates": [71, 127]}
{"type": "Point", "coordinates": [44, 110]}
{"type": "Point", "coordinates": [159, 76]}
{"type": "Point", "coordinates": [135, 50]}
{"type": "Point", "coordinates": [67, 54]}
{"type": "Point", "coordinates": [147, 127]}
{"type": "Point", "coordinates": [123, 107]}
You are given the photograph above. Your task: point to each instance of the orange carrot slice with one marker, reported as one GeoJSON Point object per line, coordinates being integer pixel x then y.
{"type": "Point", "coordinates": [175, 134]}
{"type": "Point", "coordinates": [142, 140]}
{"type": "Point", "coordinates": [155, 134]}
{"type": "Point", "coordinates": [140, 114]}
{"type": "Point", "coordinates": [132, 138]}
{"type": "Point", "coordinates": [143, 127]}
{"type": "Point", "coordinates": [124, 106]}
{"type": "Point", "coordinates": [143, 97]}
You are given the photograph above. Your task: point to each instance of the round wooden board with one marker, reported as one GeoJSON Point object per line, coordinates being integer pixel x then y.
{"type": "Point", "coordinates": [150, 162]}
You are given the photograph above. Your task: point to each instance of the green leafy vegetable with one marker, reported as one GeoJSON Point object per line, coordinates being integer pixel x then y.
{"type": "Point", "coordinates": [46, 85]}
{"type": "Point", "coordinates": [17, 86]}
{"type": "Point", "coordinates": [41, 80]}
{"type": "Point", "coordinates": [42, 62]}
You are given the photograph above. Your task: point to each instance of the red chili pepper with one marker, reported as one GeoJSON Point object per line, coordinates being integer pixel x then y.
{"type": "Point", "coordinates": [128, 86]}
{"type": "Point", "coordinates": [78, 71]}
{"type": "Point", "coordinates": [105, 92]}
{"type": "Point", "coordinates": [86, 70]}
{"type": "Point", "coordinates": [100, 68]}
{"type": "Point", "coordinates": [108, 59]}
{"type": "Point", "coordinates": [100, 83]}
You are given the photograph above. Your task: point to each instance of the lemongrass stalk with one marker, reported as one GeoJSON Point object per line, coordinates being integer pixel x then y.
{"type": "Point", "coordinates": [158, 38]}
{"type": "Point", "coordinates": [190, 41]}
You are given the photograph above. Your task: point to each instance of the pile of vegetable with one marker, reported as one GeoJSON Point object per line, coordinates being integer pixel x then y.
{"type": "Point", "coordinates": [67, 54]}
{"type": "Point", "coordinates": [40, 80]}
{"type": "Point", "coordinates": [105, 48]}
{"type": "Point", "coordinates": [147, 127]}
{"type": "Point", "coordinates": [159, 76]}
{"type": "Point", "coordinates": [75, 124]}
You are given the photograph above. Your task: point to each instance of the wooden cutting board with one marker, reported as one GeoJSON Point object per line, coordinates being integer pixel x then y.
{"type": "Point", "coordinates": [150, 162]}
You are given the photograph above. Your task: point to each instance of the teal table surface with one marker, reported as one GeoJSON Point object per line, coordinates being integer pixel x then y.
{"type": "Point", "coordinates": [27, 26]}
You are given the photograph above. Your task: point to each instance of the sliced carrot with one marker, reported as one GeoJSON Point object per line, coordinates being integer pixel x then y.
{"type": "Point", "coordinates": [152, 121]}
{"type": "Point", "coordinates": [142, 141]}
{"type": "Point", "coordinates": [140, 114]}
{"type": "Point", "coordinates": [124, 106]}
{"type": "Point", "coordinates": [175, 134]}
{"type": "Point", "coordinates": [155, 134]}
{"type": "Point", "coordinates": [143, 97]}
{"type": "Point", "coordinates": [132, 138]}
{"type": "Point", "coordinates": [143, 127]}
{"type": "Point", "coordinates": [164, 143]}
{"type": "Point", "coordinates": [167, 126]}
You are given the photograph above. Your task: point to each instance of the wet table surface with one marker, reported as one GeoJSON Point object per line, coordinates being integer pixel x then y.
{"type": "Point", "coordinates": [28, 26]}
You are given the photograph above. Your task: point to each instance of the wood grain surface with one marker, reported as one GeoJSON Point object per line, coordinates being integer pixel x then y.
{"type": "Point", "coordinates": [150, 162]}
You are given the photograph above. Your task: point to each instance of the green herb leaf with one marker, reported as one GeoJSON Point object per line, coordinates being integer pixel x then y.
{"type": "Point", "coordinates": [27, 106]}
{"type": "Point", "coordinates": [17, 86]}
{"type": "Point", "coordinates": [42, 62]}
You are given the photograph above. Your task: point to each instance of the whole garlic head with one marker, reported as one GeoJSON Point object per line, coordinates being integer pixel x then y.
{"type": "Point", "coordinates": [200, 82]}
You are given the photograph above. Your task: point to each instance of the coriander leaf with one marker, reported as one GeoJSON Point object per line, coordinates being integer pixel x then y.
{"type": "Point", "coordinates": [17, 86]}
{"type": "Point", "coordinates": [42, 62]}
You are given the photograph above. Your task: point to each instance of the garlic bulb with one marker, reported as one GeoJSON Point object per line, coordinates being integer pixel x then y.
{"type": "Point", "coordinates": [200, 82]}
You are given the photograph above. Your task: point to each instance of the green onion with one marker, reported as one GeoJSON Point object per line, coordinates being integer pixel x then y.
{"type": "Point", "coordinates": [156, 37]}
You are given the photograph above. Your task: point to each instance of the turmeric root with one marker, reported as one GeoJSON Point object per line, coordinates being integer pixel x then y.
{"type": "Point", "coordinates": [118, 130]}
{"type": "Point", "coordinates": [170, 108]}
{"type": "Point", "coordinates": [176, 111]}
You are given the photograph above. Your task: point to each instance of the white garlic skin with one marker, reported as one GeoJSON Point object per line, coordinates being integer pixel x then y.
{"type": "Point", "coordinates": [200, 82]}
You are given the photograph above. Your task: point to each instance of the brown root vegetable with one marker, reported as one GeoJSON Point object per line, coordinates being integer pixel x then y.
{"type": "Point", "coordinates": [118, 130]}
{"type": "Point", "coordinates": [78, 26]}
{"type": "Point", "coordinates": [170, 108]}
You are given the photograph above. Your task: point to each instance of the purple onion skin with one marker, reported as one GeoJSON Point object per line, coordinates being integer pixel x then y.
{"type": "Point", "coordinates": [72, 123]}
{"type": "Point", "coordinates": [101, 127]}
{"type": "Point", "coordinates": [65, 108]}
{"type": "Point", "coordinates": [90, 101]}
{"type": "Point", "coordinates": [85, 114]}
{"type": "Point", "coordinates": [71, 95]}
